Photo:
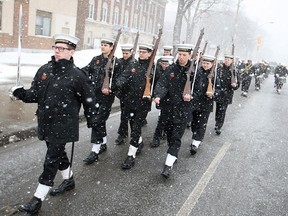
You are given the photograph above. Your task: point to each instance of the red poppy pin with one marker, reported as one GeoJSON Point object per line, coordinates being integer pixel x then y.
{"type": "Point", "coordinates": [172, 75]}
{"type": "Point", "coordinates": [44, 76]}
{"type": "Point", "coordinates": [133, 70]}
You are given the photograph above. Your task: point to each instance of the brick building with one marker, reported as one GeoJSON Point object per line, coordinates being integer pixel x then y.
{"type": "Point", "coordinates": [90, 20]}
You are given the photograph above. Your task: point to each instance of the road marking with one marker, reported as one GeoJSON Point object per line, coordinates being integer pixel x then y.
{"type": "Point", "coordinates": [202, 183]}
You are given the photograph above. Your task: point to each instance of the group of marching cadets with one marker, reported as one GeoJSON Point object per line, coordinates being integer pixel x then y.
{"type": "Point", "coordinates": [127, 81]}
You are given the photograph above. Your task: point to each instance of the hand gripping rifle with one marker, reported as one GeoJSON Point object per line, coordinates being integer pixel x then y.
{"type": "Point", "coordinates": [210, 89]}
{"type": "Point", "coordinates": [135, 44]}
{"type": "Point", "coordinates": [107, 84]}
{"type": "Point", "coordinates": [147, 91]}
{"type": "Point", "coordinates": [187, 88]}
{"type": "Point", "coordinates": [232, 69]}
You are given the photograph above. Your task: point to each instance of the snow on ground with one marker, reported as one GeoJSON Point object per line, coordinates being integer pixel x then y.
{"type": "Point", "coordinates": [30, 62]}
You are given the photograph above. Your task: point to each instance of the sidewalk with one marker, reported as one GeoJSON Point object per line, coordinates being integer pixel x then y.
{"type": "Point", "coordinates": [18, 120]}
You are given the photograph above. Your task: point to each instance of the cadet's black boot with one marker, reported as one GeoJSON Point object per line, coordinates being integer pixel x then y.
{"type": "Point", "coordinates": [66, 185]}
{"type": "Point", "coordinates": [193, 149]}
{"type": "Point", "coordinates": [103, 148]}
{"type": "Point", "coordinates": [218, 131]}
{"type": "Point", "coordinates": [155, 142]}
{"type": "Point", "coordinates": [32, 207]}
{"type": "Point", "coordinates": [166, 171]}
{"type": "Point", "coordinates": [120, 140]}
{"type": "Point", "coordinates": [140, 147]}
{"type": "Point", "coordinates": [128, 163]}
{"type": "Point", "coordinates": [93, 156]}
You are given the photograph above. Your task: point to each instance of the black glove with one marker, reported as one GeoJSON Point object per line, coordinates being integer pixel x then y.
{"type": "Point", "coordinates": [19, 92]}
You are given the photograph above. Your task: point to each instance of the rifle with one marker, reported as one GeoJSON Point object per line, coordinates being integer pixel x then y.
{"type": "Point", "coordinates": [187, 88]}
{"type": "Point", "coordinates": [210, 89]}
{"type": "Point", "coordinates": [147, 91]}
{"type": "Point", "coordinates": [106, 83]}
{"type": "Point", "coordinates": [205, 47]}
{"type": "Point", "coordinates": [135, 44]}
{"type": "Point", "coordinates": [232, 69]}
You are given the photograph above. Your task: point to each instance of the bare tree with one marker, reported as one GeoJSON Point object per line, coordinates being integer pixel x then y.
{"type": "Point", "coordinates": [202, 7]}
{"type": "Point", "coordinates": [183, 6]}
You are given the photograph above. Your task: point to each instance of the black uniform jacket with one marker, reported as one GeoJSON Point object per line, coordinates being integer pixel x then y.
{"type": "Point", "coordinates": [224, 90]}
{"type": "Point", "coordinates": [96, 72]}
{"type": "Point", "coordinates": [124, 64]}
{"type": "Point", "coordinates": [200, 101]}
{"type": "Point", "coordinates": [173, 83]}
{"type": "Point", "coordinates": [132, 83]}
{"type": "Point", "coordinates": [59, 88]}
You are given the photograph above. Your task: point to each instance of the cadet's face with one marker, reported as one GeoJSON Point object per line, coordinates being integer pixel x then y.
{"type": "Point", "coordinates": [106, 48]}
{"type": "Point", "coordinates": [183, 57]}
{"type": "Point", "coordinates": [62, 51]}
{"type": "Point", "coordinates": [144, 54]}
{"type": "Point", "coordinates": [166, 53]}
{"type": "Point", "coordinates": [126, 54]}
{"type": "Point", "coordinates": [207, 65]}
{"type": "Point", "coordinates": [228, 61]}
{"type": "Point", "coordinates": [164, 65]}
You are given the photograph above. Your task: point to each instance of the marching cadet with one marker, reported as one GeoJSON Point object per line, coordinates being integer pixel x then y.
{"type": "Point", "coordinates": [59, 88]}
{"type": "Point", "coordinates": [202, 102]}
{"type": "Point", "coordinates": [126, 60]}
{"type": "Point", "coordinates": [160, 131]}
{"type": "Point", "coordinates": [133, 81]}
{"type": "Point", "coordinates": [246, 76]}
{"type": "Point", "coordinates": [224, 90]}
{"type": "Point", "coordinates": [173, 83]}
{"type": "Point", "coordinates": [96, 72]}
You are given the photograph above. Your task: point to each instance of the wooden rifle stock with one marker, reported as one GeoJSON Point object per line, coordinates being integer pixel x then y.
{"type": "Point", "coordinates": [106, 82]}
{"type": "Point", "coordinates": [135, 44]}
{"type": "Point", "coordinates": [147, 91]}
{"type": "Point", "coordinates": [210, 89]}
{"type": "Point", "coordinates": [232, 69]}
{"type": "Point", "coordinates": [187, 87]}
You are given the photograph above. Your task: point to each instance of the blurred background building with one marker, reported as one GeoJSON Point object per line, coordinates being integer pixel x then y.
{"type": "Point", "coordinates": [89, 20]}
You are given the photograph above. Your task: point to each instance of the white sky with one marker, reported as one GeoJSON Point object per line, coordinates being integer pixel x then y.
{"type": "Point", "coordinates": [264, 12]}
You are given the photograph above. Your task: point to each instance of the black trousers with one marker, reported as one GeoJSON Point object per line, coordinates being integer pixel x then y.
{"type": "Point", "coordinates": [220, 114]}
{"type": "Point", "coordinates": [124, 119]}
{"type": "Point", "coordinates": [246, 83]}
{"type": "Point", "coordinates": [162, 121]}
{"type": "Point", "coordinates": [137, 117]}
{"type": "Point", "coordinates": [55, 159]}
{"type": "Point", "coordinates": [99, 129]}
{"type": "Point", "coordinates": [175, 133]}
{"type": "Point", "coordinates": [199, 124]}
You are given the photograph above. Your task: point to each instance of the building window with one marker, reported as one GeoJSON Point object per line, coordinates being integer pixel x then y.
{"type": "Point", "coordinates": [126, 18]}
{"type": "Point", "coordinates": [143, 23]}
{"type": "Point", "coordinates": [128, 2]}
{"type": "Point", "coordinates": [116, 16]}
{"type": "Point", "coordinates": [104, 12]}
{"type": "Point", "coordinates": [91, 9]}
{"type": "Point", "coordinates": [43, 23]}
{"type": "Point", "coordinates": [135, 22]}
{"type": "Point", "coordinates": [150, 25]}
{"type": "Point", "coordinates": [1, 3]}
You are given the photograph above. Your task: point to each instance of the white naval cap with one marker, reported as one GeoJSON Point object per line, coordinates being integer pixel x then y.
{"type": "Point", "coordinates": [185, 47]}
{"type": "Point", "coordinates": [107, 41]}
{"type": "Point", "coordinates": [167, 47]}
{"type": "Point", "coordinates": [166, 59]}
{"type": "Point", "coordinates": [208, 58]}
{"type": "Point", "coordinates": [143, 46]}
{"type": "Point", "coordinates": [126, 47]}
{"type": "Point", "coordinates": [67, 39]}
{"type": "Point", "coordinates": [229, 56]}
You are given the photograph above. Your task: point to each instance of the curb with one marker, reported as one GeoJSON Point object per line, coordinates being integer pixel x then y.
{"type": "Point", "coordinates": [27, 133]}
